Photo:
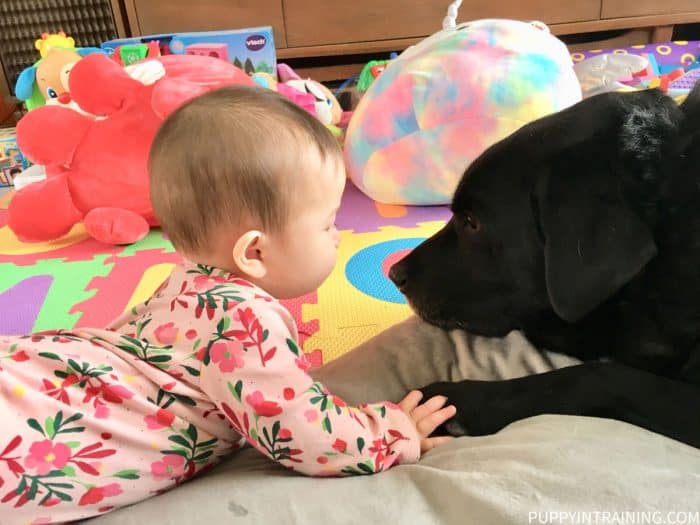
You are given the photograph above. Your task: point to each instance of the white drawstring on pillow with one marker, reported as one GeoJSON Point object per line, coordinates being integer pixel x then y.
{"type": "Point", "coordinates": [450, 21]}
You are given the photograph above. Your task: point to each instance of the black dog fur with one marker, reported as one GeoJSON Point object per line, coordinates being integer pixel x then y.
{"type": "Point", "coordinates": [582, 229]}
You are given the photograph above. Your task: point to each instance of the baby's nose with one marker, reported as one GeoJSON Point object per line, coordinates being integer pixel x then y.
{"type": "Point", "coordinates": [64, 98]}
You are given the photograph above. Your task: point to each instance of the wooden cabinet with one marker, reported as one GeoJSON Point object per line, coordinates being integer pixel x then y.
{"type": "Point", "coordinates": [7, 107]}
{"type": "Point", "coordinates": [345, 22]}
{"type": "Point", "coordinates": [358, 20]}
{"type": "Point", "coordinates": [337, 29]}
{"type": "Point", "coordinates": [632, 8]}
{"type": "Point", "coordinates": [149, 17]}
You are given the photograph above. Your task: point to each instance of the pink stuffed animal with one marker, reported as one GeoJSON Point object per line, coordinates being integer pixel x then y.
{"type": "Point", "coordinates": [96, 158]}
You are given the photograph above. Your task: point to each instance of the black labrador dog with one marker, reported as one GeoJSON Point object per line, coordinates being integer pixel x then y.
{"type": "Point", "coordinates": [582, 229]}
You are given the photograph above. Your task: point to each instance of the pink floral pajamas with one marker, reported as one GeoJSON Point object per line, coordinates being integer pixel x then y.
{"type": "Point", "coordinates": [97, 419]}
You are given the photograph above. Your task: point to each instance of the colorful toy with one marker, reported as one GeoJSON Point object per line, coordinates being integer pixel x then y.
{"type": "Point", "coordinates": [653, 77]}
{"type": "Point", "coordinates": [96, 164]}
{"type": "Point", "coordinates": [326, 107]}
{"type": "Point", "coordinates": [46, 81]}
{"type": "Point", "coordinates": [628, 72]}
{"type": "Point", "coordinates": [302, 99]}
{"type": "Point", "coordinates": [371, 71]}
{"type": "Point", "coordinates": [608, 72]}
{"type": "Point", "coordinates": [130, 54]}
{"type": "Point", "coordinates": [663, 81]}
{"type": "Point", "coordinates": [251, 49]}
{"type": "Point", "coordinates": [308, 94]}
{"type": "Point", "coordinates": [442, 102]}
{"type": "Point", "coordinates": [265, 80]}
{"type": "Point", "coordinates": [667, 66]}
{"type": "Point", "coordinates": [12, 162]}
{"type": "Point", "coordinates": [51, 40]}
{"type": "Point", "coordinates": [219, 51]}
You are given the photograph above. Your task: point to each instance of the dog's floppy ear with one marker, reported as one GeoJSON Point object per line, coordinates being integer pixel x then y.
{"type": "Point", "coordinates": [594, 243]}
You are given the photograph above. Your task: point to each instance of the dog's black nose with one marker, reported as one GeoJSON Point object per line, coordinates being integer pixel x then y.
{"type": "Point", "coordinates": [398, 275]}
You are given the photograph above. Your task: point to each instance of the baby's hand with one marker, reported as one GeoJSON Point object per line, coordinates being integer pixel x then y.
{"type": "Point", "coordinates": [427, 417]}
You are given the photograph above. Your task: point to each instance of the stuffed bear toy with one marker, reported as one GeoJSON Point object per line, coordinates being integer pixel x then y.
{"type": "Point", "coordinates": [96, 158]}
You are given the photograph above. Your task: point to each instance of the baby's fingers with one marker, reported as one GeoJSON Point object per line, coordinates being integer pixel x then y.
{"type": "Point", "coordinates": [432, 405]}
{"type": "Point", "coordinates": [430, 443]}
{"type": "Point", "coordinates": [430, 422]}
{"type": "Point", "coordinates": [410, 402]}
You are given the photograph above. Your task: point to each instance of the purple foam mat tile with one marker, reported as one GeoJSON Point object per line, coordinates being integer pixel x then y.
{"type": "Point", "coordinates": [687, 81]}
{"type": "Point", "coordinates": [360, 214]}
{"type": "Point", "coordinates": [20, 305]}
{"type": "Point", "coordinates": [667, 54]}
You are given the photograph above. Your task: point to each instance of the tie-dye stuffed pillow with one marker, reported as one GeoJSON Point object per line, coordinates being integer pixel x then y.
{"type": "Point", "coordinates": [442, 102]}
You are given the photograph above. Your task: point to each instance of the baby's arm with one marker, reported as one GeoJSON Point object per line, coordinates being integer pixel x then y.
{"type": "Point", "coordinates": [256, 375]}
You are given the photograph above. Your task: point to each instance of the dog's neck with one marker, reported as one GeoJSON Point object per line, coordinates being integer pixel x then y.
{"type": "Point", "coordinates": [654, 321]}
{"type": "Point", "coordinates": [629, 337]}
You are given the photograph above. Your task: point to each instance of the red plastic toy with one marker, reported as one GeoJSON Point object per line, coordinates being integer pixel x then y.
{"type": "Point", "coordinates": [96, 164]}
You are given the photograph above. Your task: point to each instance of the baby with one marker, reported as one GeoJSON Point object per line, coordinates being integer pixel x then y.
{"type": "Point", "coordinates": [246, 185]}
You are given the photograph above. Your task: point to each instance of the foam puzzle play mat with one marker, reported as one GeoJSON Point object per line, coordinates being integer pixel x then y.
{"type": "Point", "coordinates": [77, 281]}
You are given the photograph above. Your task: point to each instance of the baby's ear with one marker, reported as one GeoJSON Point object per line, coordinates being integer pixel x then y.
{"type": "Point", "coordinates": [247, 254]}
{"type": "Point", "coordinates": [50, 134]}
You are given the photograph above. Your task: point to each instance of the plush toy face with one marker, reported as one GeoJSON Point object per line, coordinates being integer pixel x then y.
{"type": "Point", "coordinates": [335, 110]}
{"type": "Point", "coordinates": [47, 80]}
{"type": "Point", "coordinates": [52, 75]}
{"type": "Point", "coordinates": [328, 109]}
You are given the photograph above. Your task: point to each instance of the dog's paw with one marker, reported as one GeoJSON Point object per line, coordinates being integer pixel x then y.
{"type": "Point", "coordinates": [482, 406]}
{"type": "Point", "coordinates": [456, 428]}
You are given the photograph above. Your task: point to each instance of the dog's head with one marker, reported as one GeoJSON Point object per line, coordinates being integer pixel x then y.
{"type": "Point", "coordinates": [555, 218]}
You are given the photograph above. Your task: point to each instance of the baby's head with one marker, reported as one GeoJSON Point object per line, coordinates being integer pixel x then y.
{"type": "Point", "coordinates": [245, 180]}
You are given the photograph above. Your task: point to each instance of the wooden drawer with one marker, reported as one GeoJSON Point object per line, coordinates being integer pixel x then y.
{"type": "Point", "coordinates": [623, 8]}
{"type": "Point", "coordinates": [315, 22]}
{"type": "Point", "coordinates": [149, 17]}
{"type": "Point", "coordinates": [4, 89]}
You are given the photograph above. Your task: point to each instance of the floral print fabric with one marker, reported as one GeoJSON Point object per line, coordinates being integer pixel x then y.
{"type": "Point", "coordinates": [95, 419]}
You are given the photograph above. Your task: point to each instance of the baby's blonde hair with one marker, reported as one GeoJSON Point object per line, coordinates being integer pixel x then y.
{"type": "Point", "coordinates": [232, 155]}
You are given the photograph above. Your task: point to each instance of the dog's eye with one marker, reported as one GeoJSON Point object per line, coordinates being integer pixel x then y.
{"type": "Point", "coordinates": [471, 222]}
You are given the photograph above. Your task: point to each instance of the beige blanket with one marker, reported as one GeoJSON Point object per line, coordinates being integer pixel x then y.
{"type": "Point", "coordinates": [548, 469]}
